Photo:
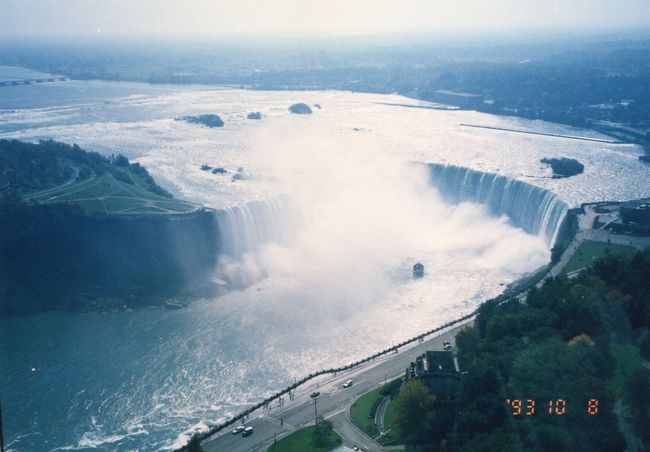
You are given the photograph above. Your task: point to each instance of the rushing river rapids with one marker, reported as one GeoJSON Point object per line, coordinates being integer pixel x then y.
{"type": "Point", "coordinates": [317, 246]}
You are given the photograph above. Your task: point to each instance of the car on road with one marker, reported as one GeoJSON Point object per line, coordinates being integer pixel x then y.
{"type": "Point", "coordinates": [314, 394]}
{"type": "Point", "coordinates": [238, 430]}
{"type": "Point", "coordinates": [348, 383]}
{"type": "Point", "coordinates": [446, 345]}
{"type": "Point", "coordinates": [248, 431]}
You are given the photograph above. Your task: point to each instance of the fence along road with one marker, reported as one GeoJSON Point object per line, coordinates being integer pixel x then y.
{"type": "Point", "coordinates": [216, 434]}
{"type": "Point", "coordinates": [284, 417]}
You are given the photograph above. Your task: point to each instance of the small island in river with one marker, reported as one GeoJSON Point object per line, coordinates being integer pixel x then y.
{"type": "Point", "coordinates": [564, 167]}
{"type": "Point", "coordinates": [208, 120]}
{"type": "Point", "coordinates": [300, 109]}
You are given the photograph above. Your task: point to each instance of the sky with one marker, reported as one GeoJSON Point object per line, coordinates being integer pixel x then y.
{"type": "Point", "coordinates": [312, 17]}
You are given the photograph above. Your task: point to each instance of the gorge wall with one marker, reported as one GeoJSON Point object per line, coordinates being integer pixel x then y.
{"type": "Point", "coordinates": [56, 256]}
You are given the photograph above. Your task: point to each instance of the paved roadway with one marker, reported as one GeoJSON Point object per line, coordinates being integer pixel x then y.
{"type": "Point", "coordinates": [333, 402]}
{"type": "Point", "coordinates": [597, 235]}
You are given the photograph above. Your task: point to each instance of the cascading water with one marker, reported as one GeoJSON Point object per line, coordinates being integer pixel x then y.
{"type": "Point", "coordinates": [246, 227]}
{"type": "Point", "coordinates": [534, 209]}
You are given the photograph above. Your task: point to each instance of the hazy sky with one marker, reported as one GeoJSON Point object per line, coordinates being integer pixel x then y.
{"type": "Point", "coordinates": [311, 17]}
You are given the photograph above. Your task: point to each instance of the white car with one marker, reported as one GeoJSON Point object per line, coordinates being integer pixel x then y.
{"type": "Point", "coordinates": [248, 431]}
{"type": "Point", "coordinates": [238, 430]}
{"type": "Point", "coordinates": [347, 384]}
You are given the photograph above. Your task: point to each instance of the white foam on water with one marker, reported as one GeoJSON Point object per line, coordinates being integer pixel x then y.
{"type": "Point", "coordinates": [360, 216]}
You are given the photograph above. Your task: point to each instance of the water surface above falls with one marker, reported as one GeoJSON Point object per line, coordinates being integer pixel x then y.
{"type": "Point", "coordinates": [323, 271]}
{"type": "Point", "coordinates": [138, 120]}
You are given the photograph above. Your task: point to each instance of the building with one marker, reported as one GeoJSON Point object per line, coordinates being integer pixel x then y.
{"type": "Point", "coordinates": [637, 211]}
{"type": "Point", "coordinates": [439, 372]}
{"type": "Point", "coordinates": [635, 215]}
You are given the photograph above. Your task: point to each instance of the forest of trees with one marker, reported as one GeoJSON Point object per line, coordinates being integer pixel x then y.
{"type": "Point", "coordinates": [36, 166]}
{"type": "Point", "coordinates": [571, 342]}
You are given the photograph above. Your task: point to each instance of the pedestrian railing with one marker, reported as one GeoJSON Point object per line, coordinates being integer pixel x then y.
{"type": "Point", "coordinates": [244, 414]}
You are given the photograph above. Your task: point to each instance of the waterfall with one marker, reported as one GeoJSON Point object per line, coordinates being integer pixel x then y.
{"type": "Point", "coordinates": [534, 209]}
{"type": "Point", "coordinates": [245, 227]}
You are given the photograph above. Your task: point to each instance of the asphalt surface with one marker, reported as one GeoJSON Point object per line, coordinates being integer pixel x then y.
{"type": "Point", "coordinates": [333, 402]}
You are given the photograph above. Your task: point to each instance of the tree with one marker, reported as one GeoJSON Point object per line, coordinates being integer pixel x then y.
{"type": "Point", "coordinates": [637, 395]}
{"type": "Point", "coordinates": [414, 411]}
{"type": "Point", "coordinates": [324, 436]}
{"type": "Point", "coordinates": [468, 342]}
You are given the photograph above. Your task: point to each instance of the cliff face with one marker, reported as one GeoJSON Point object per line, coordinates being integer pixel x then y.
{"type": "Point", "coordinates": [59, 257]}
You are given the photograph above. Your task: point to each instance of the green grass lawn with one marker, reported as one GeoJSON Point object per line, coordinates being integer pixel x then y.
{"type": "Point", "coordinates": [389, 415]}
{"type": "Point", "coordinates": [360, 410]}
{"type": "Point", "coordinates": [391, 437]}
{"type": "Point", "coordinates": [300, 441]}
{"type": "Point", "coordinates": [628, 361]}
{"type": "Point", "coordinates": [589, 251]}
{"type": "Point", "coordinates": [115, 204]}
{"type": "Point", "coordinates": [119, 197]}
{"type": "Point", "coordinates": [92, 205]}
{"type": "Point", "coordinates": [175, 205]}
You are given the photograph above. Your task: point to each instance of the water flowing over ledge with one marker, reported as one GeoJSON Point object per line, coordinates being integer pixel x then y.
{"type": "Point", "coordinates": [534, 209]}
{"type": "Point", "coordinates": [245, 227]}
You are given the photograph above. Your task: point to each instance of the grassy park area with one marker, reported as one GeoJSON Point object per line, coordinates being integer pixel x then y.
{"type": "Point", "coordinates": [363, 410]}
{"type": "Point", "coordinates": [589, 251]}
{"type": "Point", "coordinates": [55, 173]}
{"type": "Point", "coordinates": [301, 441]}
{"type": "Point", "coordinates": [389, 415]}
{"type": "Point", "coordinates": [106, 194]}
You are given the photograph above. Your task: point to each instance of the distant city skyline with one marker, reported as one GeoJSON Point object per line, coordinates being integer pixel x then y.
{"type": "Point", "coordinates": [312, 17]}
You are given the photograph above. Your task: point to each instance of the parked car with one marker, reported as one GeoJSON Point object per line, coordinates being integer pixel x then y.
{"type": "Point", "coordinates": [238, 430]}
{"type": "Point", "coordinates": [314, 394]}
{"type": "Point", "coordinates": [347, 384]}
{"type": "Point", "coordinates": [248, 431]}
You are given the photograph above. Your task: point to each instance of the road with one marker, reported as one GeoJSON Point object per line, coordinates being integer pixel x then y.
{"type": "Point", "coordinates": [333, 402]}
{"type": "Point", "coordinates": [586, 232]}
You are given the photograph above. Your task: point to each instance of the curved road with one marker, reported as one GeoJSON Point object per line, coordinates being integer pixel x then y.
{"type": "Point", "coordinates": [333, 402]}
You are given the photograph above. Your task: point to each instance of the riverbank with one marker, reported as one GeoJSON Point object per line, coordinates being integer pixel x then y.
{"type": "Point", "coordinates": [333, 401]}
